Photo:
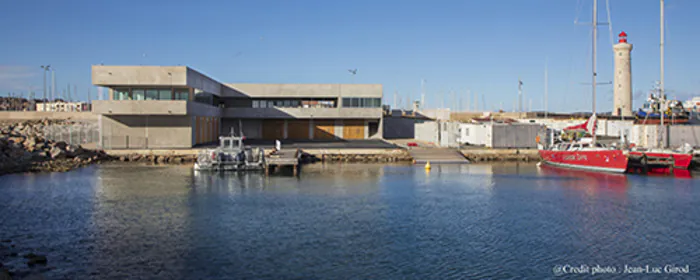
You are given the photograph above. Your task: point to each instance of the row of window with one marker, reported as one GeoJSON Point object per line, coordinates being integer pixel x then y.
{"type": "Point", "coordinates": [355, 102]}
{"type": "Point", "coordinates": [151, 94]}
{"type": "Point", "coordinates": [292, 103]}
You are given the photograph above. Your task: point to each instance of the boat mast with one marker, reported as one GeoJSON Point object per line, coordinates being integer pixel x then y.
{"type": "Point", "coordinates": [595, 37]}
{"type": "Point", "coordinates": [662, 93]}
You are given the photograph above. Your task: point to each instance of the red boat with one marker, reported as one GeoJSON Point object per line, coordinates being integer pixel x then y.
{"type": "Point", "coordinates": [585, 153]}
{"type": "Point", "coordinates": [660, 162]}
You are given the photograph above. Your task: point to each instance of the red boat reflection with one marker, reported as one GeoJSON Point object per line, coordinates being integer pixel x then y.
{"type": "Point", "coordinates": [586, 178]}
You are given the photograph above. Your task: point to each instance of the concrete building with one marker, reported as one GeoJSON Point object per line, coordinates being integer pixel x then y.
{"type": "Point", "coordinates": [179, 107]}
{"type": "Point", "coordinates": [623, 78]}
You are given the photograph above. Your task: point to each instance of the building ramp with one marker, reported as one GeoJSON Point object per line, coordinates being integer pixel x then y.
{"type": "Point", "coordinates": [437, 156]}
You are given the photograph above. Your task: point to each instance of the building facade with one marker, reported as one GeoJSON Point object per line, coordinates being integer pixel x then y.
{"type": "Point", "coordinates": [178, 107]}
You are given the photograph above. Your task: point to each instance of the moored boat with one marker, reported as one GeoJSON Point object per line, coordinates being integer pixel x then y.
{"type": "Point", "coordinates": [231, 155]}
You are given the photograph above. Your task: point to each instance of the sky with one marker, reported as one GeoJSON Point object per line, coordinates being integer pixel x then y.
{"type": "Point", "coordinates": [462, 49]}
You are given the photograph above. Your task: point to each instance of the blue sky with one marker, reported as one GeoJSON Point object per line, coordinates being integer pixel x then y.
{"type": "Point", "coordinates": [456, 46]}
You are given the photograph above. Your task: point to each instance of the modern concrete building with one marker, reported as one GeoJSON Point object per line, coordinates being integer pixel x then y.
{"type": "Point", "coordinates": [177, 107]}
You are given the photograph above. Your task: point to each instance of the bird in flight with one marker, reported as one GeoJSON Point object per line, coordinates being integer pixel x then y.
{"type": "Point", "coordinates": [353, 71]}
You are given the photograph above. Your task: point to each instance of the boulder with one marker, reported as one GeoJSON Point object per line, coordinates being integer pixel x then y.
{"type": "Point", "coordinates": [57, 153]}
{"type": "Point", "coordinates": [33, 259]}
{"type": "Point", "coordinates": [61, 145]}
{"type": "Point", "coordinates": [162, 159]}
{"type": "Point", "coordinates": [134, 157]}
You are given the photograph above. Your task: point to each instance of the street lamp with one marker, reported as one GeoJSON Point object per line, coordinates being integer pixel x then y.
{"type": "Point", "coordinates": [46, 68]}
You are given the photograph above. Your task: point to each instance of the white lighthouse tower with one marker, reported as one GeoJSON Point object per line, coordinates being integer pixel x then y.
{"type": "Point", "coordinates": [623, 77]}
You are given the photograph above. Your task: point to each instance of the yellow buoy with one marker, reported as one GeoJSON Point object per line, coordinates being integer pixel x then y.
{"type": "Point", "coordinates": [427, 166]}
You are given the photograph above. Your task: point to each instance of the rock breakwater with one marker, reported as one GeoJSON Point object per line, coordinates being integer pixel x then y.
{"type": "Point", "coordinates": [399, 157]}
{"type": "Point", "coordinates": [24, 147]}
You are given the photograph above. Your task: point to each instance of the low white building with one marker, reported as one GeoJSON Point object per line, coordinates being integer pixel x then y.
{"type": "Point", "coordinates": [440, 133]}
{"type": "Point", "coordinates": [62, 106]}
{"type": "Point", "coordinates": [500, 135]}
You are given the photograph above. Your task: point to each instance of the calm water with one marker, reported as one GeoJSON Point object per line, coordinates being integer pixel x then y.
{"type": "Point", "coordinates": [348, 221]}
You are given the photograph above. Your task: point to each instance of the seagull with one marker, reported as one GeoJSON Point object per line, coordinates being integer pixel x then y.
{"type": "Point", "coordinates": [352, 71]}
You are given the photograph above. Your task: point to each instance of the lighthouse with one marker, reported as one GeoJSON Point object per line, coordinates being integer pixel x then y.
{"type": "Point", "coordinates": [623, 77]}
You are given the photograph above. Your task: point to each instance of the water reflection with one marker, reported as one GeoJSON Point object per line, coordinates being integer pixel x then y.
{"type": "Point", "coordinates": [365, 220]}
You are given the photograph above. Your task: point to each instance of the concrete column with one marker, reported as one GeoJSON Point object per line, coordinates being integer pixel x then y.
{"type": "Point", "coordinates": [111, 93]}
{"type": "Point", "coordinates": [285, 129]}
{"type": "Point", "coordinates": [311, 129]}
{"type": "Point", "coordinates": [366, 129]}
{"type": "Point", "coordinates": [339, 128]}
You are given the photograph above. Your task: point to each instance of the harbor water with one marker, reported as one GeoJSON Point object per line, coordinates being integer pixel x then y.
{"type": "Point", "coordinates": [359, 221]}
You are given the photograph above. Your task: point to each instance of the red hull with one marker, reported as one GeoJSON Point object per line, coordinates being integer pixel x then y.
{"type": "Point", "coordinates": [681, 163]}
{"type": "Point", "coordinates": [601, 160]}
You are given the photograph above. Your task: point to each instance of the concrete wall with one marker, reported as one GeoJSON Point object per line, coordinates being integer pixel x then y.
{"type": "Point", "coordinates": [105, 75]}
{"type": "Point", "coordinates": [303, 113]}
{"type": "Point", "coordinates": [399, 128]}
{"type": "Point", "coordinates": [35, 115]}
{"type": "Point", "coordinates": [198, 80]}
{"type": "Point", "coordinates": [438, 114]}
{"type": "Point", "coordinates": [303, 90]}
{"type": "Point", "coordinates": [515, 135]}
{"type": "Point", "coordinates": [154, 107]}
{"type": "Point", "coordinates": [679, 135]}
{"type": "Point", "coordinates": [130, 132]}
{"type": "Point", "coordinates": [427, 131]}
{"type": "Point", "coordinates": [140, 107]}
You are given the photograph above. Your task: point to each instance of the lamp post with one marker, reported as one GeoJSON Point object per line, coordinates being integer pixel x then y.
{"type": "Point", "coordinates": [45, 68]}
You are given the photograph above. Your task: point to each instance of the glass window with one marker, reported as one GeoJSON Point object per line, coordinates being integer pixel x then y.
{"type": "Point", "coordinates": [151, 94]}
{"type": "Point", "coordinates": [165, 94]}
{"type": "Point", "coordinates": [182, 94]}
{"type": "Point", "coordinates": [256, 104]}
{"type": "Point", "coordinates": [287, 103]}
{"type": "Point", "coordinates": [121, 94]}
{"type": "Point", "coordinates": [138, 94]}
{"type": "Point", "coordinates": [263, 104]}
{"type": "Point", "coordinates": [355, 102]}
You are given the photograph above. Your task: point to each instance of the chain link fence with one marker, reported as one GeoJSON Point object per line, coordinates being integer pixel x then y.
{"type": "Point", "coordinates": [84, 133]}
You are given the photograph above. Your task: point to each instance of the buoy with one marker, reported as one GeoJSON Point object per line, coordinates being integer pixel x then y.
{"type": "Point", "coordinates": [427, 166]}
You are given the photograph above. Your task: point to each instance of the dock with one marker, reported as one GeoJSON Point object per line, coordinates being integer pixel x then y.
{"type": "Point", "coordinates": [277, 160]}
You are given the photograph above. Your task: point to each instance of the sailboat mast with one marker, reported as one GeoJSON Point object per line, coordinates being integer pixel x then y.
{"type": "Point", "coordinates": [662, 91]}
{"type": "Point", "coordinates": [595, 41]}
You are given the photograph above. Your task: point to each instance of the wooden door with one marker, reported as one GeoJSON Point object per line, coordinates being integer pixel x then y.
{"type": "Point", "coordinates": [353, 129]}
{"type": "Point", "coordinates": [298, 129]}
{"type": "Point", "coordinates": [324, 130]}
{"type": "Point", "coordinates": [273, 129]}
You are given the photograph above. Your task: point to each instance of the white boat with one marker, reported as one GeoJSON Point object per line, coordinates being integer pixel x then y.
{"type": "Point", "coordinates": [231, 155]}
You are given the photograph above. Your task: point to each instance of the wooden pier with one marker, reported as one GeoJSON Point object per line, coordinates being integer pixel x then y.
{"type": "Point", "coordinates": [283, 158]}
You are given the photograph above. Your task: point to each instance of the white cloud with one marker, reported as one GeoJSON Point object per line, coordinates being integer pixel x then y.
{"type": "Point", "coordinates": [17, 77]}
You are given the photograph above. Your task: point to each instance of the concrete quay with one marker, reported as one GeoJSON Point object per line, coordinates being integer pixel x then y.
{"type": "Point", "coordinates": [482, 154]}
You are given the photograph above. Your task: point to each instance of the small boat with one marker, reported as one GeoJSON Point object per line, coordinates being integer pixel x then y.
{"type": "Point", "coordinates": [231, 155]}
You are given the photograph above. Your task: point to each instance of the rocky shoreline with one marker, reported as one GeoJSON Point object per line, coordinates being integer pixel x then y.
{"type": "Point", "coordinates": [366, 158]}
{"type": "Point", "coordinates": [25, 148]}
{"type": "Point", "coordinates": [502, 157]}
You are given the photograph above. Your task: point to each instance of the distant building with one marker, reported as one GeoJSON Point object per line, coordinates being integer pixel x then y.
{"type": "Point", "coordinates": [178, 107]}
{"type": "Point", "coordinates": [61, 106]}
